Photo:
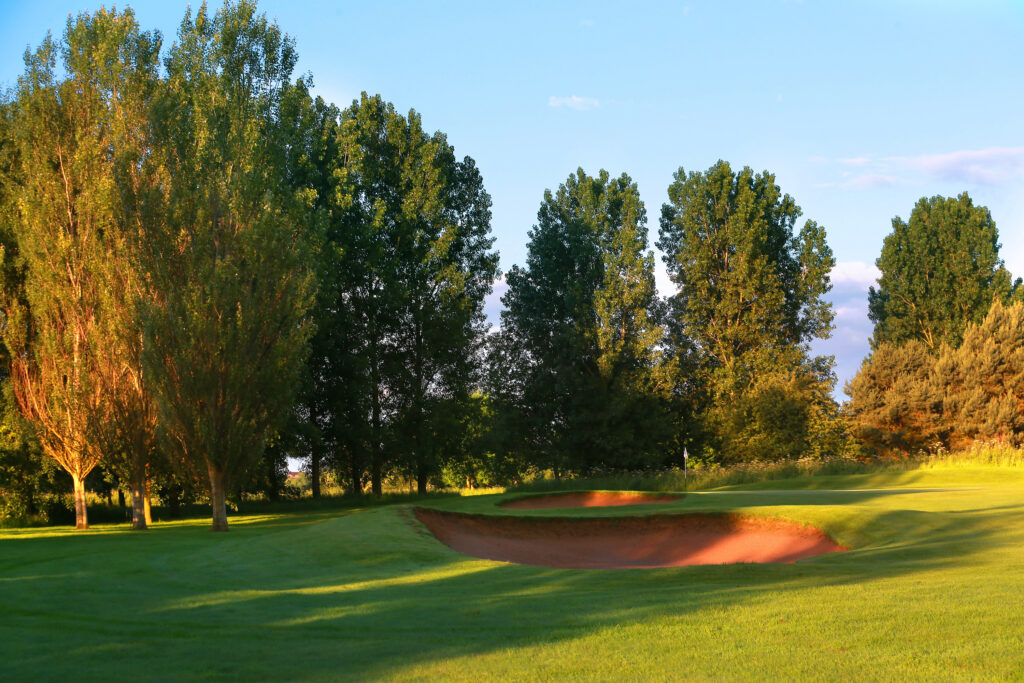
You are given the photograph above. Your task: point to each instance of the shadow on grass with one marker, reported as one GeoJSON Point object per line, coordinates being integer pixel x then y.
{"type": "Point", "coordinates": [366, 595]}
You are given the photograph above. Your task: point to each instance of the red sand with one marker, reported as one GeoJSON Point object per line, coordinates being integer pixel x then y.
{"type": "Point", "coordinates": [587, 499]}
{"type": "Point", "coordinates": [626, 543]}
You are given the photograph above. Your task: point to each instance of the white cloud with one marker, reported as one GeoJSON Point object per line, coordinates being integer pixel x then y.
{"type": "Point", "coordinates": [863, 181]}
{"type": "Point", "coordinates": [574, 102]}
{"type": "Point", "coordinates": [855, 161]}
{"type": "Point", "coordinates": [662, 281]}
{"type": "Point", "coordinates": [855, 273]}
{"type": "Point", "coordinates": [990, 166]}
{"type": "Point", "coordinates": [492, 302]}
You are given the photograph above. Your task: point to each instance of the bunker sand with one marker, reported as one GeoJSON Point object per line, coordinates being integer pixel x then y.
{"type": "Point", "coordinates": [587, 499]}
{"type": "Point", "coordinates": [627, 543]}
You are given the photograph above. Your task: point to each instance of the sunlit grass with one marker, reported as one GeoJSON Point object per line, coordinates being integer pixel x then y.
{"type": "Point", "coordinates": [931, 589]}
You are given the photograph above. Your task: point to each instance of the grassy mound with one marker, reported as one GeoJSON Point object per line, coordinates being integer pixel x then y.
{"type": "Point", "coordinates": [931, 589]}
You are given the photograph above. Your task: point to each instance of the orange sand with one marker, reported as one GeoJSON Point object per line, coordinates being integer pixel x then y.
{"type": "Point", "coordinates": [588, 499]}
{"type": "Point", "coordinates": [626, 543]}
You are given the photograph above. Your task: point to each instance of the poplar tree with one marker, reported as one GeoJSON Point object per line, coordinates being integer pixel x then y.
{"type": "Point", "coordinates": [227, 331]}
{"type": "Point", "coordinates": [68, 327]}
{"type": "Point", "coordinates": [749, 302]}
{"type": "Point", "coordinates": [578, 346]}
{"type": "Point", "coordinates": [940, 271]}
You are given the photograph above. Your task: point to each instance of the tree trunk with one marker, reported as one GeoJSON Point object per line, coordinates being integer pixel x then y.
{"type": "Point", "coordinates": [217, 500]}
{"type": "Point", "coordinates": [357, 480]}
{"type": "Point", "coordinates": [120, 498]}
{"type": "Point", "coordinates": [375, 479]}
{"type": "Point", "coordinates": [376, 456]}
{"type": "Point", "coordinates": [314, 468]}
{"type": "Point", "coordinates": [81, 516]}
{"type": "Point", "coordinates": [174, 501]}
{"type": "Point", "coordinates": [147, 507]}
{"type": "Point", "coordinates": [138, 496]}
{"type": "Point", "coordinates": [421, 480]}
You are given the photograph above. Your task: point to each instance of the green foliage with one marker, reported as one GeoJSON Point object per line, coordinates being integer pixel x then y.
{"type": "Point", "coordinates": [72, 149]}
{"type": "Point", "coordinates": [895, 405]}
{"type": "Point", "coordinates": [907, 399]}
{"type": "Point", "coordinates": [983, 380]}
{"type": "Point", "coordinates": [576, 363]}
{"type": "Point", "coordinates": [227, 331]}
{"type": "Point", "coordinates": [407, 264]}
{"type": "Point", "coordinates": [940, 271]}
{"type": "Point", "coordinates": [749, 301]}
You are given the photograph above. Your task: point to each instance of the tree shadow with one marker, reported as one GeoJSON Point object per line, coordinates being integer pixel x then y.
{"type": "Point", "coordinates": [365, 596]}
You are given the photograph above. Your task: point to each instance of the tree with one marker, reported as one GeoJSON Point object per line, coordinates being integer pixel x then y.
{"type": "Point", "coordinates": [227, 331]}
{"type": "Point", "coordinates": [66, 327]}
{"type": "Point", "coordinates": [895, 403]}
{"type": "Point", "coordinates": [940, 271]}
{"type": "Point", "coordinates": [407, 264]}
{"type": "Point", "coordinates": [983, 380]}
{"type": "Point", "coordinates": [577, 353]}
{"type": "Point", "coordinates": [750, 300]}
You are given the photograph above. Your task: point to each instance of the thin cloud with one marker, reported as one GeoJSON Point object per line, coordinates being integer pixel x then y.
{"type": "Point", "coordinates": [990, 166]}
{"type": "Point", "coordinates": [864, 181]}
{"type": "Point", "coordinates": [855, 161]}
{"type": "Point", "coordinates": [573, 102]}
{"type": "Point", "coordinates": [855, 274]}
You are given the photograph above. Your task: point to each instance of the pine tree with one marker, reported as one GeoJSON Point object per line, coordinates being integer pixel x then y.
{"type": "Point", "coordinates": [896, 404]}
{"type": "Point", "coordinates": [984, 392]}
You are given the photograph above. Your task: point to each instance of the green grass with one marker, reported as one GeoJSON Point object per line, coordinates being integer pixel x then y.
{"type": "Point", "coordinates": [933, 589]}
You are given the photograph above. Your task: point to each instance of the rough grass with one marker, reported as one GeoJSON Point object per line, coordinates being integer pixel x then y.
{"type": "Point", "coordinates": [931, 590]}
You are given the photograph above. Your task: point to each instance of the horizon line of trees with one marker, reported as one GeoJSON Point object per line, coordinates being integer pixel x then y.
{"type": "Point", "coordinates": [206, 270]}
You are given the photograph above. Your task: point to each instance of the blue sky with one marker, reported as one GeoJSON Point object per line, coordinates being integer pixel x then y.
{"type": "Point", "coordinates": [859, 108]}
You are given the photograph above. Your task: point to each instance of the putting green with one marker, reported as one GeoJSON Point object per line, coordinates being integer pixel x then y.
{"type": "Point", "coordinates": [931, 588]}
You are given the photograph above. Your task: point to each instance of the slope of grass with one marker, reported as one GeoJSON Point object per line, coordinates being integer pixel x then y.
{"type": "Point", "coordinates": [932, 589]}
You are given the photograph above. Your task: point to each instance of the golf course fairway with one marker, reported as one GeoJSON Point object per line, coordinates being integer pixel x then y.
{"type": "Point", "coordinates": [932, 587]}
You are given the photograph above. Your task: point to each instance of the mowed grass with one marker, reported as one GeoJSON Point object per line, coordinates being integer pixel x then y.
{"type": "Point", "coordinates": [932, 589]}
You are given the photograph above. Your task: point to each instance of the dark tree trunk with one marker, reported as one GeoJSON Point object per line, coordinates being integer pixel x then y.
{"type": "Point", "coordinates": [174, 497]}
{"type": "Point", "coordinates": [357, 480]}
{"type": "Point", "coordinates": [314, 467]}
{"type": "Point", "coordinates": [376, 457]}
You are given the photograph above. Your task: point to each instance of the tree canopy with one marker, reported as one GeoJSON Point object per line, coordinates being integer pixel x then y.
{"type": "Point", "coordinates": [940, 271]}
{"type": "Point", "coordinates": [749, 299]}
{"type": "Point", "coordinates": [578, 349]}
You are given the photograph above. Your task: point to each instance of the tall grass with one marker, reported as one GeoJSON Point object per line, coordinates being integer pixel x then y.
{"type": "Point", "coordinates": [715, 476]}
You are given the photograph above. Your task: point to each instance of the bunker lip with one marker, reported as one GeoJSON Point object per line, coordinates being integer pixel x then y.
{"type": "Point", "coordinates": [628, 542]}
{"type": "Point", "coordinates": [587, 499]}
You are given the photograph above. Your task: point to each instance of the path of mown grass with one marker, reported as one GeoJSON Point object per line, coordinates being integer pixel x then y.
{"type": "Point", "coordinates": [933, 589]}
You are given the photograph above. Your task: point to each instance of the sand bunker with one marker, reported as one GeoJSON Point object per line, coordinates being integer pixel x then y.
{"type": "Point", "coordinates": [626, 543]}
{"type": "Point", "coordinates": [587, 499]}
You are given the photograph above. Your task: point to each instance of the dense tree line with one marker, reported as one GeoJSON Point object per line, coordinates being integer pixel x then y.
{"type": "Point", "coordinates": [206, 270]}
{"type": "Point", "coordinates": [946, 368]}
